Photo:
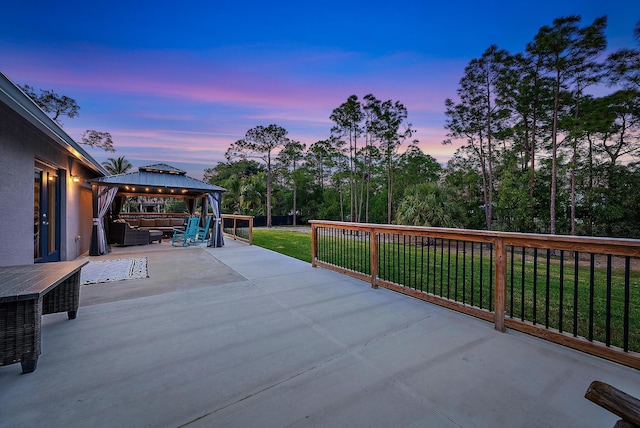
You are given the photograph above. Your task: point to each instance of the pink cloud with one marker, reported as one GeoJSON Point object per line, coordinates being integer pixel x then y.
{"type": "Point", "coordinates": [177, 105]}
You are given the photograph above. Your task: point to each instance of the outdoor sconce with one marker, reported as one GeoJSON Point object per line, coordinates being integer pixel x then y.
{"type": "Point", "coordinates": [75, 179]}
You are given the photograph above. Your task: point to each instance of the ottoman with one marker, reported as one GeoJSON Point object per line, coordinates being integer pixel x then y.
{"type": "Point", "coordinates": [155, 235]}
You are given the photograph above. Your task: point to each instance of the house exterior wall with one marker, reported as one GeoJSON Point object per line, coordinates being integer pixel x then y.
{"type": "Point", "coordinates": [21, 145]}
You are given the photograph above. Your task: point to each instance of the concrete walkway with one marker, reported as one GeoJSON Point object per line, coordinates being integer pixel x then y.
{"type": "Point", "coordinates": [240, 337]}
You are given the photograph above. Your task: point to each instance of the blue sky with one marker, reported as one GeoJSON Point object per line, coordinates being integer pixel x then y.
{"type": "Point", "coordinates": [179, 82]}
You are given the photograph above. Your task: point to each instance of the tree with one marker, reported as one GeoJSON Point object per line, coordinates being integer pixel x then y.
{"type": "Point", "coordinates": [224, 170]}
{"type": "Point", "coordinates": [117, 165]}
{"type": "Point", "coordinates": [231, 199]}
{"type": "Point", "coordinates": [289, 157]}
{"type": "Point", "coordinates": [98, 139]}
{"type": "Point", "coordinates": [52, 103]}
{"type": "Point", "coordinates": [347, 119]}
{"type": "Point", "coordinates": [61, 105]}
{"type": "Point", "coordinates": [260, 142]}
{"type": "Point", "coordinates": [568, 52]}
{"type": "Point", "coordinates": [390, 117]}
{"type": "Point", "coordinates": [477, 118]}
{"type": "Point", "coordinates": [417, 167]}
{"type": "Point", "coordinates": [321, 161]}
{"type": "Point", "coordinates": [428, 205]}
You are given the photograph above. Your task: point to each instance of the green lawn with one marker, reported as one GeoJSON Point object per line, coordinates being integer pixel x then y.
{"type": "Point", "coordinates": [290, 243]}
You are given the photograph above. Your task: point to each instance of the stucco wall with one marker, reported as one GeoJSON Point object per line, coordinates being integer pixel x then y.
{"type": "Point", "coordinates": [20, 146]}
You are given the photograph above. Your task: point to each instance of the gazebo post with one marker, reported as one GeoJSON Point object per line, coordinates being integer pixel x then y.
{"type": "Point", "coordinates": [94, 249]}
{"type": "Point", "coordinates": [205, 210]}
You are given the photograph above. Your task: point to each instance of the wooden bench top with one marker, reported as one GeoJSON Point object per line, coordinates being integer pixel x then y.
{"type": "Point", "coordinates": [26, 282]}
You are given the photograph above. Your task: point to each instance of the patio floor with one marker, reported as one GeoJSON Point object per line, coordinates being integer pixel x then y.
{"type": "Point", "coordinates": [241, 336]}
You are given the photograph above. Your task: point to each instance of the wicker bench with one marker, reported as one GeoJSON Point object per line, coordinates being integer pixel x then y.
{"type": "Point", "coordinates": [28, 292]}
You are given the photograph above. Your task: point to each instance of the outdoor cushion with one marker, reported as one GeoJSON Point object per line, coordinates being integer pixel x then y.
{"type": "Point", "coordinates": [147, 222]}
{"type": "Point", "coordinates": [177, 222]}
{"type": "Point", "coordinates": [134, 222]}
{"type": "Point", "coordinates": [163, 222]}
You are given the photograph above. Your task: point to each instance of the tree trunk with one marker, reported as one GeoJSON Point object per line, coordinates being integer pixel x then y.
{"type": "Point", "coordinates": [294, 201]}
{"type": "Point", "coordinates": [574, 159]}
{"type": "Point", "coordinates": [269, 190]}
{"type": "Point", "coordinates": [554, 157]}
{"type": "Point", "coordinates": [490, 150]}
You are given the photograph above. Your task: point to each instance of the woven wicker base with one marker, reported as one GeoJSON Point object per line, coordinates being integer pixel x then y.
{"type": "Point", "coordinates": [21, 313]}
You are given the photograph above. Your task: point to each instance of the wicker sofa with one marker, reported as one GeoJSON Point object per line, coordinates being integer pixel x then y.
{"type": "Point", "coordinates": [121, 233]}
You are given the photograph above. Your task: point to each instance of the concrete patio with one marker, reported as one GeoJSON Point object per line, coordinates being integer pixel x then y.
{"type": "Point", "coordinates": [240, 336]}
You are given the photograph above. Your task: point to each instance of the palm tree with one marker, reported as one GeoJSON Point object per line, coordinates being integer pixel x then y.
{"type": "Point", "coordinates": [426, 204]}
{"type": "Point", "coordinates": [117, 166]}
{"type": "Point", "coordinates": [231, 198]}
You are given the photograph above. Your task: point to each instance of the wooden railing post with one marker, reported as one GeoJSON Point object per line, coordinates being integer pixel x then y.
{"type": "Point", "coordinates": [314, 245]}
{"type": "Point", "coordinates": [251, 230]}
{"type": "Point", "coordinates": [373, 240]}
{"type": "Point", "coordinates": [500, 284]}
{"type": "Point", "coordinates": [235, 225]}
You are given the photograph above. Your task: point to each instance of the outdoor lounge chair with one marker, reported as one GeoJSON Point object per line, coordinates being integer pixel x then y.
{"type": "Point", "coordinates": [121, 233]}
{"type": "Point", "coordinates": [187, 236]}
{"type": "Point", "coordinates": [201, 233]}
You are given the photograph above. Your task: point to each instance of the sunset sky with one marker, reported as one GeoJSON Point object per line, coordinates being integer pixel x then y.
{"type": "Point", "coordinates": [179, 82]}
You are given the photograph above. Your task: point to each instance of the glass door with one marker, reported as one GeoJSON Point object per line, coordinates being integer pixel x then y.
{"type": "Point", "coordinates": [46, 215]}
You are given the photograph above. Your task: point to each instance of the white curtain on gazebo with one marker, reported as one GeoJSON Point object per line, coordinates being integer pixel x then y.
{"type": "Point", "coordinates": [216, 233]}
{"type": "Point", "coordinates": [105, 198]}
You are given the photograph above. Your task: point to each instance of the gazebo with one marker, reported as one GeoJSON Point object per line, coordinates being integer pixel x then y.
{"type": "Point", "coordinates": [159, 180]}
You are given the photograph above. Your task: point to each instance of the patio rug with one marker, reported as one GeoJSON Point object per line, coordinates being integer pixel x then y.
{"type": "Point", "coordinates": [114, 270]}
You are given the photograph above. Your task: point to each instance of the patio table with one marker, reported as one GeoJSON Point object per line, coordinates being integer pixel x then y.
{"type": "Point", "coordinates": [26, 293]}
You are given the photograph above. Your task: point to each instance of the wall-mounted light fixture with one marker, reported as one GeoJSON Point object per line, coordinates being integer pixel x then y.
{"type": "Point", "coordinates": [75, 179]}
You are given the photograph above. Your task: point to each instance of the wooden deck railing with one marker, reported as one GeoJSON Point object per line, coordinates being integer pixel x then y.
{"type": "Point", "coordinates": [581, 292]}
{"type": "Point", "coordinates": [238, 227]}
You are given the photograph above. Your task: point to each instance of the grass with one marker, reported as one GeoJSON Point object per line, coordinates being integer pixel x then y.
{"type": "Point", "coordinates": [290, 243]}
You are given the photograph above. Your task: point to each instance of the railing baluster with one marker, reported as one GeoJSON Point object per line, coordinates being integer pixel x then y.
{"type": "Point", "coordinates": [625, 313]}
{"type": "Point", "coordinates": [404, 260]}
{"type": "Point", "coordinates": [441, 265]}
{"type": "Point", "coordinates": [415, 264]}
{"type": "Point", "coordinates": [561, 296]}
{"type": "Point", "coordinates": [522, 285]}
{"type": "Point", "coordinates": [455, 295]}
{"type": "Point", "coordinates": [473, 271]}
{"type": "Point", "coordinates": [576, 274]}
{"type": "Point", "coordinates": [464, 271]}
{"type": "Point", "coordinates": [481, 297]}
{"type": "Point", "coordinates": [592, 264]}
{"type": "Point", "coordinates": [449, 269]}
{"type": "Point", "coordinates": [491, 277]}
{"type": "Point", "coordinates": [547, 297]}
{"type": "Point", "coordinates": [435, 252]}
{"type": "Point", "coordinates": [608, 304]}
{"type": "Point", "coordinates": [512, 280]}
{"type": "Point", "coordinates": [535, 286]}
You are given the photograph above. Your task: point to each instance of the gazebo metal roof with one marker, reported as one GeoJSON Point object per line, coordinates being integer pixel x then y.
{"type": "Point", "coordinates": [160, 180]}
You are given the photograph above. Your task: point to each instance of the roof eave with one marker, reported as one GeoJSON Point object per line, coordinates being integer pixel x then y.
{"type": "Point", "coordinates": [15, 98]}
